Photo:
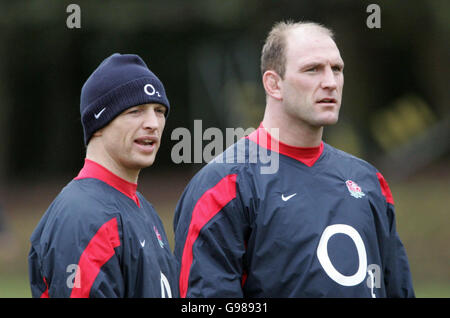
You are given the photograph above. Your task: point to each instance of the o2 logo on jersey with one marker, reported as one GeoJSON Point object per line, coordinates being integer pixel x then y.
{"type": "Point", "coordinates": [373, 270]}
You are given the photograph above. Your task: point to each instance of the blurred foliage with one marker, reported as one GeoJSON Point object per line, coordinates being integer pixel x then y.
{"type": "Point", "coordinates": [406, 118]}
{"type": "Point", "coordinates": [207, 54]}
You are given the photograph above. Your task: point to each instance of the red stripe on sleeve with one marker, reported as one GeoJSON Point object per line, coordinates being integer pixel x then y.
{"type": "Point", "coordinates": [99, 250]}
{"type": "Point", "coordinates": [385, 190]}
{"type": "Point", "coordinates": [244, 278]}
{"type": "Point", "coordinates": [244, 274]}
{"type": "Point", "coordinates": [209, 204]}
{"type": "Point", "coordinates": [45, 293]}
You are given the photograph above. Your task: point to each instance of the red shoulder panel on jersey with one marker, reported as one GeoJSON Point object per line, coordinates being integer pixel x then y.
{"type": "Point", "coordinates": [209, 204]}
{"type": "Point", "coordinates": [385, 190]}
{"type": "Point", "coordinates": [99, 250]}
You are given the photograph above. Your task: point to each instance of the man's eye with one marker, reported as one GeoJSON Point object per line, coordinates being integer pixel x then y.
{"type": "Point", "coordinates": [161, 110]}
{"type": "Point", "coordinates": [312, 69]}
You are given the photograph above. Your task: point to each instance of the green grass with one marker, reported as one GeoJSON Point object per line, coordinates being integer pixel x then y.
{"type": "Point", "coordinates": [14, 286]}
{"type": "Point", "coordinates": [432, 290]}
{"type": "Point", "coordinates": [17, 286]}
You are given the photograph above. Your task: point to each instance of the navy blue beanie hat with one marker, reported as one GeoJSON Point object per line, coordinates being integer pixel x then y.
{"type": "Point", "coordinates": [121, 81]}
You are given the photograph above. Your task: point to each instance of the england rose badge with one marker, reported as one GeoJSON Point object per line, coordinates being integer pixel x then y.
{"type": "Point", "coordinates": [158, 236]}
{"type": "Point", "coordinates": [354, 189]}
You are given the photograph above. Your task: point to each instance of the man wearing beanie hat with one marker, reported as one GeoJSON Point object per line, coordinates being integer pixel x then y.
{"type": "Point", "coordinates": [100, 237]}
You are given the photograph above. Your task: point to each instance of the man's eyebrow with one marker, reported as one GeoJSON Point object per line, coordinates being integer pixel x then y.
{"type": "Point", "coordinates": [317, 63]}
{"type": "Point", "coordinates": [311, 64]}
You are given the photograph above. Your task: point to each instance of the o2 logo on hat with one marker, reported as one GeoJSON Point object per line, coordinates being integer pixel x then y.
{"type": "Point", "coordinates": [152, 92]}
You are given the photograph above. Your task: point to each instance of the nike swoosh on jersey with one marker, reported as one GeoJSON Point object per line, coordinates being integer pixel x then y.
{"type": "Point", "coordinates": [288, 197]}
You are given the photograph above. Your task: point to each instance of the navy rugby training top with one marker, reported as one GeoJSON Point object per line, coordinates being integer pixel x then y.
{"type": "Point", "coordinates": [101, 238]}
{"type": "Point", "coordinates": [321, 225]}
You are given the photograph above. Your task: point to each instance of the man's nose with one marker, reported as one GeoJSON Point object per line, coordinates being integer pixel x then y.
{"type": "Point", "coordinates": [150, 120]}
{"type": "Point", "coordinates": [329, 79]}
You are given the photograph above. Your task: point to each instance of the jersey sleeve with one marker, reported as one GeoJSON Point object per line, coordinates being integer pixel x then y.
{"type": "Point", "coordinates": [76, 257]}
{"type": "Point", "coordinates": [38, 284]}
{"type": "Point", "coordinates": [397, 275]}
{"type": "Point", "coordinates": [210, 228]}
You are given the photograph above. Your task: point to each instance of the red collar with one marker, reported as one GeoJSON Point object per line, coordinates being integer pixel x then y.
{"type": "Point", "coordinates": [306, 155]}
{"type": "Point", "coordinates": [91, 169]}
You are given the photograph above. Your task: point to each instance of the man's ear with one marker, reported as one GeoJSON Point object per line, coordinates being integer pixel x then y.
{"type": "Point", "coordinates": [271, 81]}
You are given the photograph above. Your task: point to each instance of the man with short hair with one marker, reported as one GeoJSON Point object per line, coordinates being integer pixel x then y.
{"type": "Point", "coordinates": [321, 225]}
{"type": "Point", "coordinates": [100, 237]}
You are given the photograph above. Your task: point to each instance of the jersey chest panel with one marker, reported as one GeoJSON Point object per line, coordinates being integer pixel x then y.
{"type": "Point", "coordinates": [319, 233]}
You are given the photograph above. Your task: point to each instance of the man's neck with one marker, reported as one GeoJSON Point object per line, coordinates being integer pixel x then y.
{"type": "Point", "coordinates": [293, 132]}
{"type": "Point", "coordinates": [101, 157]}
